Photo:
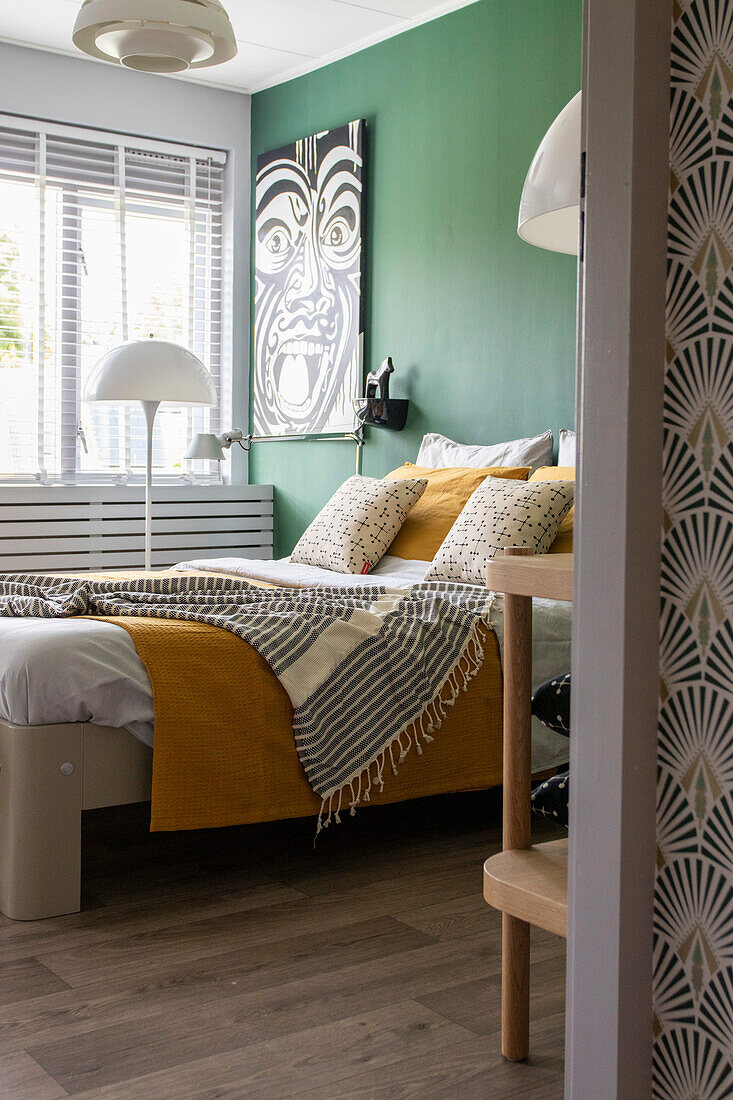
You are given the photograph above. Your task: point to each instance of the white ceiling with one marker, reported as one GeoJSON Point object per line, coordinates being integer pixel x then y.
{"type": "Point", "coordinates": [278, 39]}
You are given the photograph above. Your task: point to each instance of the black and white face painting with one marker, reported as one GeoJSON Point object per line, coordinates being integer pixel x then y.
{"type": "Point", "coordinates": [308, 284]}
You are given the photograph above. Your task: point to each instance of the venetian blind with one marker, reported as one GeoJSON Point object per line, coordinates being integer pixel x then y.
{"type": "Point", "coordinates": [103, 239]}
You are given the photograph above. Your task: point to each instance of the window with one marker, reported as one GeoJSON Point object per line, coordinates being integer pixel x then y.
{"type": "Point", "coordinates": [103, 239]}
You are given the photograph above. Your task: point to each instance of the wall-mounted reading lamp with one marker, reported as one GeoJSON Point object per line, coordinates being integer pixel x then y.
{"type": "Point", "coordinates": [207, 447]}
{"type": "Point", "coordinates": [210, 447]}
{"type": "Point", "coordinates": [376, 409]}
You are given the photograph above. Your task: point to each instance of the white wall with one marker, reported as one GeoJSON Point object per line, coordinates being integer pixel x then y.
{"type": "Point", "coordinates": [87, 93]}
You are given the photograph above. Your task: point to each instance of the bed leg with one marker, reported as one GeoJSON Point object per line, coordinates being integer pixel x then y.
{"type": "Point", "coordinates": [40, 820]}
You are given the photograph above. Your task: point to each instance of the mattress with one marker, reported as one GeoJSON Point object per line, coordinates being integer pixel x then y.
{"type": "Point", "coordinates": [83, 670]}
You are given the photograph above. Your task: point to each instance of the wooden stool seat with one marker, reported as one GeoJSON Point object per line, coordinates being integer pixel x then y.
{"type": "Point", "coordinates": [531, 884]}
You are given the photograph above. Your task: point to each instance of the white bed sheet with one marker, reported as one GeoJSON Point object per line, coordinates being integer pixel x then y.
{"type": "Point", "coordinates": [395, 572]}
{"type": "Point", "coordinates": [81, 670]}
{"type": "Point", "coordinates": [73, 670]}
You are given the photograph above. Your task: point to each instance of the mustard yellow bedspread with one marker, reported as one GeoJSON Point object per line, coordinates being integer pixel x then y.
{"type": "Point", "coordinates": [224, 749]}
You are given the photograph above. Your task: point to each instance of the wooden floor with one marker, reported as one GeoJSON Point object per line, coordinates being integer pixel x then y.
{"type": "Point", "coordinates": [242, 963]}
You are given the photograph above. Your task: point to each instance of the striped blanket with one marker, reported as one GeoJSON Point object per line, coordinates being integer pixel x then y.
{"type": "Point", "coordinates": [365, 667]}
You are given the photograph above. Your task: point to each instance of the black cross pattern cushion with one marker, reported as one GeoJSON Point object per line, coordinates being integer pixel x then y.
{"type": "Point", "coordinates": [501, 513]}
{"type": "Point", "coordinates": [351, 533]}
{"type": "Point", "coordinates": [552, 798]}
{"type": "Point", "coordinates": [551, 704]}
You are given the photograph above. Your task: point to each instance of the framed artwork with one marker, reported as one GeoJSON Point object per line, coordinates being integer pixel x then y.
{"type": "Point", "coordinates": [308, 268]}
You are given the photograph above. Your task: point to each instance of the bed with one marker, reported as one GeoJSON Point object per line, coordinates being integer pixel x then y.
{"type": "Point", "coordinates": [77, 730]}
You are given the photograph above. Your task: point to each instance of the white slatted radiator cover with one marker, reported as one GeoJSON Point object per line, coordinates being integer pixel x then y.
{"type": "Point", "coordinates": [102, 527]}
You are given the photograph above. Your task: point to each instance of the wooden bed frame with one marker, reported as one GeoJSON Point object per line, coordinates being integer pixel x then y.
{"type": "Point", "coordinates": [48, 776]}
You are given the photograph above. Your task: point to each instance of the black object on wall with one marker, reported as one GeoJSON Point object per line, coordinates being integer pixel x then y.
{"type": "Point", "coordinates": [377, 408]}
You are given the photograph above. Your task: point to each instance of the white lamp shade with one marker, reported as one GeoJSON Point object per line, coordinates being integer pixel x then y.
{"type": "Point", "coordinates": [549, 213]}
{"type": "Point", "coordinates": [205, 446]}
{"type": "Point", "coordinates": [151, 370]}
{"type": "Point", "coordinates": [156, 36]}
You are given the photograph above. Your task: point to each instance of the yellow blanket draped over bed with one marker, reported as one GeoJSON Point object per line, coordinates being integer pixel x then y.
{"type": "Point", "coordinates": [224, 749]}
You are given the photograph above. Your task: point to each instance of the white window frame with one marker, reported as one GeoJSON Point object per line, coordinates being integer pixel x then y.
{"type": "Point", "coordinates": [120, 142]}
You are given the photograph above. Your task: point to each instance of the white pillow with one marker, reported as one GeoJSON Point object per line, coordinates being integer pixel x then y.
{"type": "Point", "coordinates": [500, 513]}
{"type": "Point", "coordinates": [566, 454]}
{"type": "Point", "coordinates": [351, 533]}
{"type": "Point", "coordinates": [437, 452]}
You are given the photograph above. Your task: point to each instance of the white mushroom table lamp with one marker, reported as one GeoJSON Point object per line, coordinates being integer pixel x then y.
{"type": "Point", "coordinates": [150, 371]}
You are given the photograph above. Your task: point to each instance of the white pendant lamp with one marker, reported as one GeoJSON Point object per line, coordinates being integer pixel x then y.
{"type": "Point", "coordinates": [150, 371]}
{"type": "Point", "coordinates": [156, 36]}
{"type": "Point", "coordinates": [549, 213]}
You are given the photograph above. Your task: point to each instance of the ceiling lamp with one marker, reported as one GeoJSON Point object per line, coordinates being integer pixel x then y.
{"type": "Point", "coordinates": [156, 36]}
{"type": "Point", "coordinates": [549, 213]}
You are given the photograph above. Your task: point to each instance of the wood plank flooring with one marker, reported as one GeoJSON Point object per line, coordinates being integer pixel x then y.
{"type": "Point", "coordinates": [244, 963]}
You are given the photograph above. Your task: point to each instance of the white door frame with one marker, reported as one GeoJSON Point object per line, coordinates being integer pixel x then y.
{"type": "Point", "coordinates": [615, 663]}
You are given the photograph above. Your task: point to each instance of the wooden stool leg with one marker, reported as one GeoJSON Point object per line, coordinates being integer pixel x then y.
{"type": "Point", "coordinates": [514, 988]}
{"type": "Point", "coordinates": [517, 830]}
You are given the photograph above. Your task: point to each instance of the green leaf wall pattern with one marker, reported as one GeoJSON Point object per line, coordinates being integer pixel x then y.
{"type": "Point", "coordinates": [693, 919]}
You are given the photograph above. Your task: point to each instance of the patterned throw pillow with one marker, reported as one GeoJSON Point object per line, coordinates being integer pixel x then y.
{"type": "Point", "coordinates": [351, 533]}
{"type": "Point", "coordinates": [552, 798]}
{"type": "Point", "coordinates": [500, 513]}
{"type": "Point", "coordinates": [551, 704]}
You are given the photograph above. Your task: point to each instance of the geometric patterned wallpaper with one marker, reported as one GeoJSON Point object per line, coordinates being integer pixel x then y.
{"type": "Point", "coordinates": [693, 912]}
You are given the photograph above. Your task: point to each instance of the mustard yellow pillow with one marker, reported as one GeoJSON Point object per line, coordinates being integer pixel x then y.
{"type": "Point", "coordinates": [445, 497]}
{"type": "Point", "coordinates": [563, 543]}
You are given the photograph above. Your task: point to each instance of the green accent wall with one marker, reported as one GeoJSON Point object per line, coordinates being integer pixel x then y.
{"type": "Point", "coordinates": [481, 327]}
